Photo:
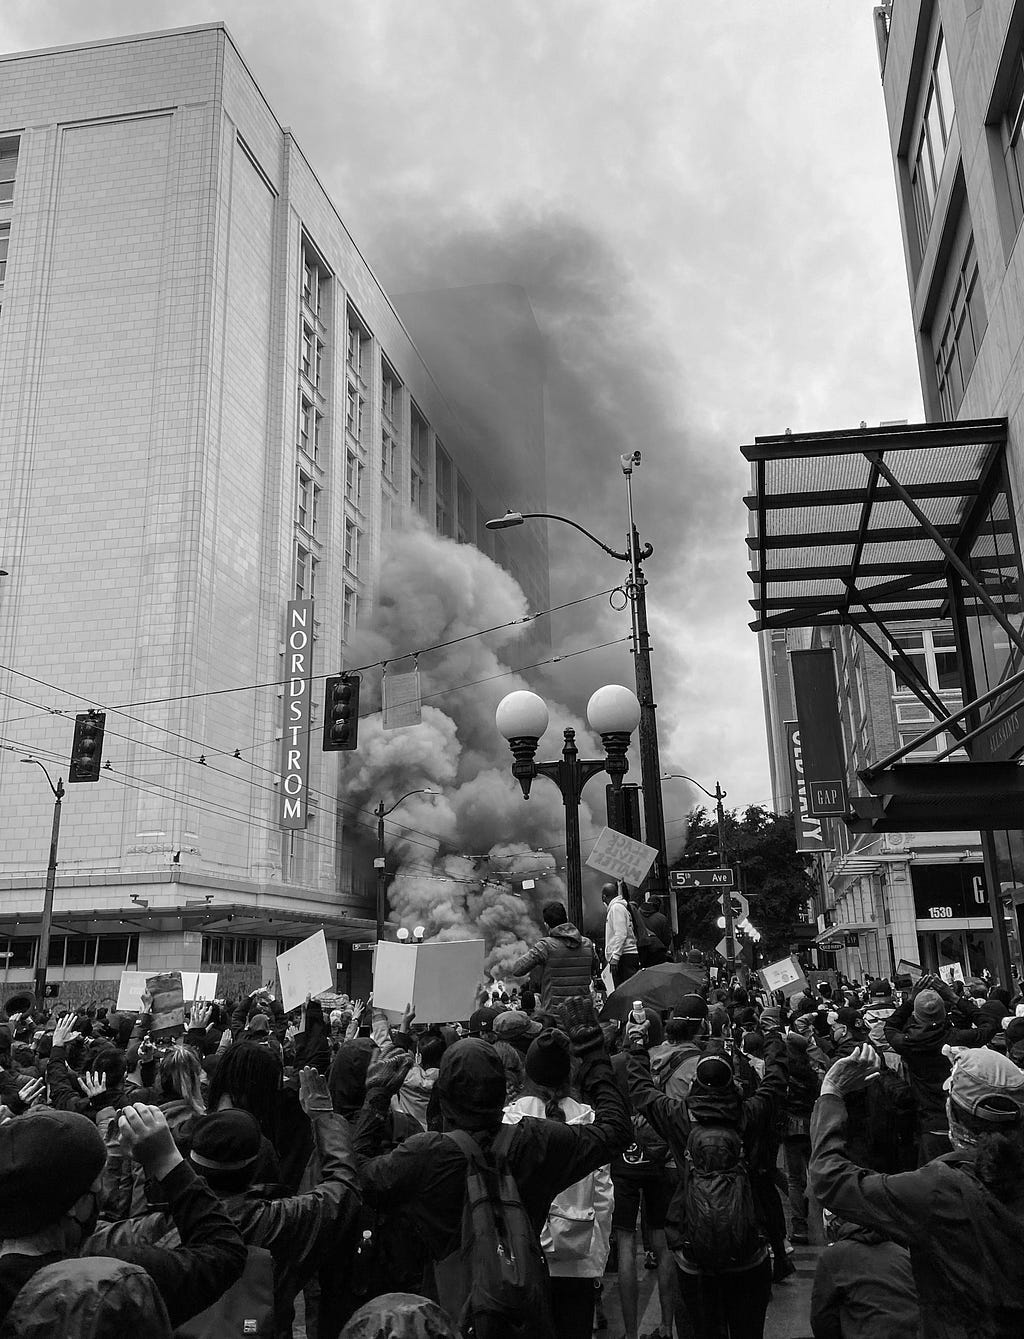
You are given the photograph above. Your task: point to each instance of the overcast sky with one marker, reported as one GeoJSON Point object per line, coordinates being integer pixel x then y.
{"type": "Point", "coordinates": [699, 200]}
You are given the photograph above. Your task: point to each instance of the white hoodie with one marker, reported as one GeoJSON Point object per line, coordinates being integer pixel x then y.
{"type": "Point", "coordinates": [602, 1194]}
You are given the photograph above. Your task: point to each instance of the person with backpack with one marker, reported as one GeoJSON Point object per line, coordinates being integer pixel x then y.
{"type": "Point", "coordinates": [225, 1151]}
{"type": "Point", "coordinates": [477, 1194]}
{"type": "Point", "coordinates": [721, 1251]}
{"type": "Point", "coordinates": [565, 960]}
{"type": "Point", "coordinates": [50, 1168]}
{"type": "Point", "coordinates": [620, 946]}
{"type": "Point", "coordinates": [577, 1234]}
{"type": "Point", "coordinates": [653, 932]}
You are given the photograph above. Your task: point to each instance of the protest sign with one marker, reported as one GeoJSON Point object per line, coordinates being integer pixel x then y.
{"type": "Point", "coordinates": [304, 970]}
{"type": "Point", "coordinates": [785, 975]}
{"type": "Point", "coordinates": [439, 980]}
{"type": "Point", "coordinates": [621, 857]}
{"type": "Point", "coordinates": [194, 986]}
{"type": "Point", "coordinates": [907, 968]}
{"type": "Point", "coordinates": [951, 971]}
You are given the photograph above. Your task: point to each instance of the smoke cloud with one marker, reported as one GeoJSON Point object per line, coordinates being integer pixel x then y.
{"type": "Point", "coordinates": [462, 854]}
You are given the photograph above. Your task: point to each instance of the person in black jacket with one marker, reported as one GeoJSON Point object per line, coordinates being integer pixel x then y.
{"type": "Point", "coordinates": [50, 1167]}
{"type": "Point", "coordinates": [564, 959]}
{"type": "Point", "coordinates": [863, 1286]}
{"type": "Point", "coordinates": [656, 921]}
{"type": "Point", "coordinates": [734, 1300]}
{"type": "Point", "coordinates": [426, 1175]}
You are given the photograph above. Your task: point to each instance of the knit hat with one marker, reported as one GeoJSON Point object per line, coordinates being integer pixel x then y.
{"type": "Point", "coordinates": [771, 1019]}
{"type": "Point", "coordinates": [549, 1058]}
{"type": "Point", "coordinates": [225, 1141]}
{"type": "Point", "coordinates": [691, 1006]}
{"type": "Point", "coordinates": [929, 1007]}
{"type": "Point", "coordinates": [980, 1083]}
{"type": "Point", "coordinates": [514, 1024]}
{"type": "Point", "coordinates": [259, 1023]}
{"type": "Point", "coordinates": [48, 1160]}
{"type": "Point", "coordinates": [471, 1085]}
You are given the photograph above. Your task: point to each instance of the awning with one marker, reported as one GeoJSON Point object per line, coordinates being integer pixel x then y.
{"type": "Point", "coordinates": [840, 521]}
{"type": "Point", "coordinates": [848, 927]}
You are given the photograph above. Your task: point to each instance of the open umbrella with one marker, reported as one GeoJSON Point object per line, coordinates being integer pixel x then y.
{"type": "Point", "coordinates": [659, 987]}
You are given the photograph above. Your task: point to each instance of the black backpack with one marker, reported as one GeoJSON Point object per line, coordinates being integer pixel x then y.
{"type": "Point", "coordinates": [720, 1222]}
{"type": "Point", "coordinates": [891, 1122]}
{"type": "Point", "coordinates": [649, 947]}
{"type": "Point", "coordinates": [495, 1284]}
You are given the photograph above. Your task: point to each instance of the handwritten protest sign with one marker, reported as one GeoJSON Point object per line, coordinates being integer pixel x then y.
{"type": "Point", "coordinates": [785, 975]}
{"type": "Point", "coordinates": [194, 986]}
{"type": "Point", "coordinates": [621, 857]}
{"type": "Point", "coordinates": [304, 970]}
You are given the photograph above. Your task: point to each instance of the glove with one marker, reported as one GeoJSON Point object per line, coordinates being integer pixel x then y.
{"type": "Point", "coordinates": [580, 1023]}
{"type": "Point", "coordinates": [387, 1073]}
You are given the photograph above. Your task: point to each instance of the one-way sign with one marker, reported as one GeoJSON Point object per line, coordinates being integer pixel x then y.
{"type": "Point", "coordinates": [700, 878]}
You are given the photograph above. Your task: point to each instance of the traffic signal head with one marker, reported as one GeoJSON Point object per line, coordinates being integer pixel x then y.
{"type": "Point", "coordinates": [341, 712]}
{"type": "Point", "coordinates": [87, 748]}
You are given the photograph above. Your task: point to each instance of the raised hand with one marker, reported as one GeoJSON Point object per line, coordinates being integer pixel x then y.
{"type": "Point", "coordinates": [578, 1015]}
{"type": "Point", "coordinates": [850, 1073]}
{"type": "Point", "coordinates": [386, 1073]}
{"type": "Point", "coordinates": [32, 1091]}
{"type": "Point", "coordinates": [144, 1134]}
{"type": "Point", "coordinates": [65, 1032]}
{"type": "Point", "coordinates": [92, 1083]}
{"type": "Point", "coordinates": [313, 1092]}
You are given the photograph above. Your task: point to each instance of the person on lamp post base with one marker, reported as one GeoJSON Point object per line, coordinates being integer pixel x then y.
{"type": "Point", "coordinates": [564, 958]}
{"type": "Point", "coordinates": [620, 949]}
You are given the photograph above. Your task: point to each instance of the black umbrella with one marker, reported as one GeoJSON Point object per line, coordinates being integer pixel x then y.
{"type": "Point", "coordinates": [659, 987]}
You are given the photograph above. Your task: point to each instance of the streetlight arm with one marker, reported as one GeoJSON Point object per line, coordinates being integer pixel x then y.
{"type": "Point", "coordinates": [642, 555]}
{"type": "Point", "coordinates": [419, 791]}
{"type": "Point", "coordinates": [58, 789]}
{"type": "Point", "coordinates": [679, 776]}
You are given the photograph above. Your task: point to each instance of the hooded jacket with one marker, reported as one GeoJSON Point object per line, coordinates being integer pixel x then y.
{"type": "Point", "coordinates": [864, 1288]}
{"type": "Point", "coordinates": [920, 1046]}
{"type": "Point", "coordinates": [88, 1299]}
{"type": "Point", "coordinates": [597, 1186]}
{"type": "Point", "coordinates": [964, 1243]}
{"type": "Point", "coordinates": [567, 963]}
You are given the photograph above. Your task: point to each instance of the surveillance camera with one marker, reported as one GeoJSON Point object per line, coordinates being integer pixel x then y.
{"type": "Point", "coordinates": [630, 461]}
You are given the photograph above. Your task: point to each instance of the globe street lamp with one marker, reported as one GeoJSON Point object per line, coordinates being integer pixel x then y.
{"type": "Point", "coordinates": [636, 591]}
{"type": "Point", "coordinates": [718, 796]}
{"type": "Point", "coordinates": [379, 863]}
{"type": "Point", "coordinates": [522, 717]}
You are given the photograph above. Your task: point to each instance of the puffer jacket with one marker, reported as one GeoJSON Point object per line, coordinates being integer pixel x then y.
{"type": "Point", "coordinates": [964, 1243]}
{"type": "Point", "coordinates": [864, 1288]}
{"type": "Point", "coordinates": [567, 963]}
{"type": "Point", "coordinates": [599, 1183]}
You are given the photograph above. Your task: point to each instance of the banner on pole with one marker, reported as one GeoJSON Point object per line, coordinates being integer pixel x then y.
{"type": "Point", "coordinates": [810, 830]}
{"type": "Point", "coordinates": [402, 703]}
{"type": "Point", "coordinates": [821, 737]}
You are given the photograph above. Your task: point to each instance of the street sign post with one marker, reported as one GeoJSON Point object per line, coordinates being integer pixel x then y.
{"type": "Point", "coordinates": [700, 878]}
{"type": "Point", "coordinates": [723, 948]}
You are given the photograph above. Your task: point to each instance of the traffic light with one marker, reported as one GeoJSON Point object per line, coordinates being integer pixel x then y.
{"type": "Point", "coordinates": [87, 748]}
{"type": "Point", "coordinates": [341, 712]}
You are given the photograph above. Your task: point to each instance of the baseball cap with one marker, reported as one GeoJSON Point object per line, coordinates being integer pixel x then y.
{"type": "Point", "coordinates": [515, 1023]}
{"type": "Point", "coordinates": [482, 1020]}
{"type": "Point", "coordinates": [980, 1083]}
{"type": "Point", "coordinates": [691, 1006]}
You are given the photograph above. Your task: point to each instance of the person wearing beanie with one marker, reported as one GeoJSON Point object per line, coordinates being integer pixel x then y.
{"type": "Point", "coordinates": [575, 1254]}
{"type": "Point", "coordinates": [225, 1150]}
{"type": "Point", "coordinates": [716, 1302]}
{"type": "Point", "coordinates": [917, 1031]}
{"type": "Point", "coordinates": [516, 1028]}
{"type": "Point", "coordinates": [961, 1215]}
{"type": "Point", "coordinates": [425, 1177]}
{"type": "Point", "coordinates": [564, 960]}
{"type": "Point", "coordinates": [50, 1169]}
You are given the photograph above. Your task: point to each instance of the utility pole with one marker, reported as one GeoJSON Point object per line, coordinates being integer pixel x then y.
{"type": "Point", "coordinates": [730, 940]}
{"type": "Point", "coordinates": [43, 947]}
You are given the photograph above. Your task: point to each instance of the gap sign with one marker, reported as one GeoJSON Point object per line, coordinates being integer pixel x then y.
{"type": "Point", "coordinates": [298, 671]}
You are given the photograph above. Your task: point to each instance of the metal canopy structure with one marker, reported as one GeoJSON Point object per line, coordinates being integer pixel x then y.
{"type": "Point", "coordinates": [856, 526]}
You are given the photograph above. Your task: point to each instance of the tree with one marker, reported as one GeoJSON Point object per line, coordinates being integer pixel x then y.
{"type": "Point", "coordinates": [761, 847]}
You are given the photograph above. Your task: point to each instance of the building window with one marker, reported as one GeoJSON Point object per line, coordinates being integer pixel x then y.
{"type": "Point", "coordinates": [354, 479]}
{"type": "Point", "coordinates": [237, 949]}
{"type": "Point", "coordinates": [932, 652]}
{"type": "Point", "coordinates": [390, 394]}
{"type": "Point", "coordinates": [418, 463]}
{"type": "Point", "coordinates": [354, 406]}
{"type": "Point", "coordinates": [349, 612]}
{"type": "Point", "coordinates": [305, 573]}
{"type": "Point", "coordinates": [357, 342]}
{"type": "Point", "coordinates": [962, 331]}
{"type": "Point", "coordinates": [388, 455]}
{"type": "Point", "coordinates": [311, 356]}
{"type": "Point", "coordinates": [310, 283]}
{"type": "Point", "coordinates": [8, 169]}
{"type": "Point", "coordinates": [351, 546]}
{"type": "Point", "coordinates": [308, 503]}
{"type": "Point", "coordinates": [466, 512]}
{"type": "Point", "coordinates": [930, 139]}
{"type": "Point", "coordinates": [93, 950]}
{"type": "Point", "coordinates": [5, 242]}
{"type": "Point", "coordinates": [1013, 144]}
{"type": "Point", "coordinates": [444, 478]}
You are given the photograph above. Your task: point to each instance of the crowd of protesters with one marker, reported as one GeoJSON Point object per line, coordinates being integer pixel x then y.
{"type": "Point", "coordinates": [483, 1177]}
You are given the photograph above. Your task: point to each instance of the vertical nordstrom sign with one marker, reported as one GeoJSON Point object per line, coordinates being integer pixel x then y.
{"type": "Point", "coordinates": [298, 663]}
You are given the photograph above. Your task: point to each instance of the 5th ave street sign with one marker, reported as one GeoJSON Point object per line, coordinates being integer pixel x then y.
{"type": "Point", "coordinates": [700, 878]}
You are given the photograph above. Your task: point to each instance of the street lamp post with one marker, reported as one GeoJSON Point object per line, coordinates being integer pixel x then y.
{"type": "Point", "coordinates": [43, 948]}
{"type": "Point", "coordinates": [522, 717]}
{"type": "Point", "coordinates": [379, 863]}
{"type": "Point", "coordinates": [718, 796]}
{"type": "Point", "coordinates": [636, 590]}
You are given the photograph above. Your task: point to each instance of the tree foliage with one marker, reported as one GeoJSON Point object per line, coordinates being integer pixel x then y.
{"type": "Point", "coordinates": [761, 848]}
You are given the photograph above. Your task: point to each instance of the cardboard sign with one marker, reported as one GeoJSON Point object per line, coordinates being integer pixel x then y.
{"type": "Point", "coordinates": [621, 857]}
{"type": "Point", "coordinates": [194, 986]}
{"type": "Point", "coordinates": [785, 975]}
{"type": "Point", "coordinates": [440, 980]}
{"type": "Point", "coordinates": [952, 971]}
{"type": "Point", "coordinates": [304, 970]}
{"type": "Point", "coordinates": [907, 968]}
